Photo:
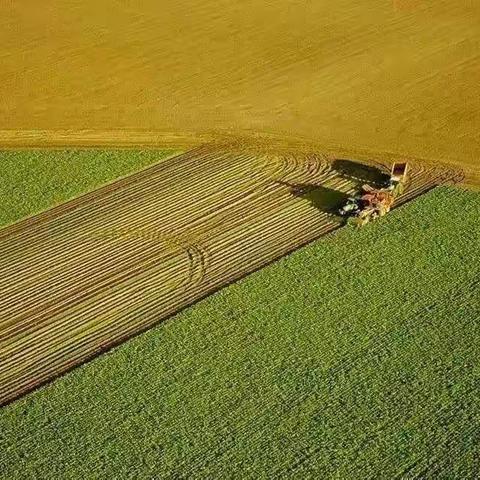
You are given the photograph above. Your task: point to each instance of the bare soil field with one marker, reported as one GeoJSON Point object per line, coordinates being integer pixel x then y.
{"type": "Point", "coordinates": [397, 76]}
{"type": "Point", "coordinates": [94, 271]}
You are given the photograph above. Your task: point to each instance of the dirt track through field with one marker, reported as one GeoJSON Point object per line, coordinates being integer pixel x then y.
{"type": "Point", "coordinates": [90, 273]}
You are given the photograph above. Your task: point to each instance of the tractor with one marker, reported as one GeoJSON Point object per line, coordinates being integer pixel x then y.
{"type": "Point", "coordinates": [372, 202]}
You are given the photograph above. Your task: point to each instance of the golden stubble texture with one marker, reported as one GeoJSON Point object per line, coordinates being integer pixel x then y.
{"type": "Point", "coordinates": [400, 77]}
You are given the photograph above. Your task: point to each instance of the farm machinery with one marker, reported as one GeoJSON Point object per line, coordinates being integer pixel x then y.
{"type": "Point", "coordinates": [371, 202]}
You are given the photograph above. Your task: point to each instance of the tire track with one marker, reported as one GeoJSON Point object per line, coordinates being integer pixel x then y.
{"type": "Point", "coordinates": [88, 274]}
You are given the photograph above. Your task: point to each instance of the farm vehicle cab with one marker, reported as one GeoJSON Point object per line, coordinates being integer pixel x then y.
{"type": "Point", "coordinates": [372, 202]}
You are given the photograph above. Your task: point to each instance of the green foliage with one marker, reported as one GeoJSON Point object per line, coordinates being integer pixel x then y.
{"type": "Point", "coordinates": [355, 357]}
{"type": "Point", "coordinates": [31, 181]}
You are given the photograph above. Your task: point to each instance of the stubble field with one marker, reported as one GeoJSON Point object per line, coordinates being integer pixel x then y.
{"type": "Point", "coordinates": [94, 271]}
{"type": "Point", "coordinates": [397, 76]}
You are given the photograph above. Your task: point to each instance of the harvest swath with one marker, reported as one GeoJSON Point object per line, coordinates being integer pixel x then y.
{"type": "Point", "coordinates": [88, 274]}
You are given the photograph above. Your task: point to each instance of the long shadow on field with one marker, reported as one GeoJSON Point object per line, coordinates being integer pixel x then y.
{"type": "Point", "coordinates": [329, 200]}
{"type": "Point", "coordinates": [322, 198]}
{"type": "Point", "coordinates": [360, 172]}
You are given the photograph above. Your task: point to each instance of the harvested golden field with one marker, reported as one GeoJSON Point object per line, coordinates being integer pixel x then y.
{"type": "Point", "coordinates": [399, 77]}
{"type": "Point", "coordinates": [89, 273]}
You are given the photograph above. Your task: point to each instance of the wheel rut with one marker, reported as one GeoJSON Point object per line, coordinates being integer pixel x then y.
{"type": "Point", "coordinates": [88, 274]}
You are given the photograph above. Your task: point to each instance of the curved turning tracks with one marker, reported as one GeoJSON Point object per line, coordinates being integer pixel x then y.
{"type": "Point", "coordinates": [88, 274]}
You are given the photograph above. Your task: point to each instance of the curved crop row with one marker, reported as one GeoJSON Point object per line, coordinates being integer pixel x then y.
{"type": "Point", "coordinates": [88, 274]}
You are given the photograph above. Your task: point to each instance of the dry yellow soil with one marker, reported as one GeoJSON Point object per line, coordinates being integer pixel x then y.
{"type": "Point", "coordinates": [89, 273]}
{"type": "Point", "coordinates": [397, 77]}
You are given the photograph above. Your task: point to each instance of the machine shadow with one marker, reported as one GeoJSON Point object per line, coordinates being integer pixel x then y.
{"type": "Point", "coordinates": [329, 200]}
{"type": "Point", "coordinates": [322, 198]}
{"type": "Point", "coordinates": [359, 172]}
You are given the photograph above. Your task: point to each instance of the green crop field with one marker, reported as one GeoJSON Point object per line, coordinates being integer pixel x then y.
{"type": "Point", "coordinates": [355, 357]}
{"type": "Point", "coordinates": [31, 181]}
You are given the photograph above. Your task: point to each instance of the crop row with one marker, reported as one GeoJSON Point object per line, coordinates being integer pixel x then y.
{"type": "Point", "coordinates": [81, 278]}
